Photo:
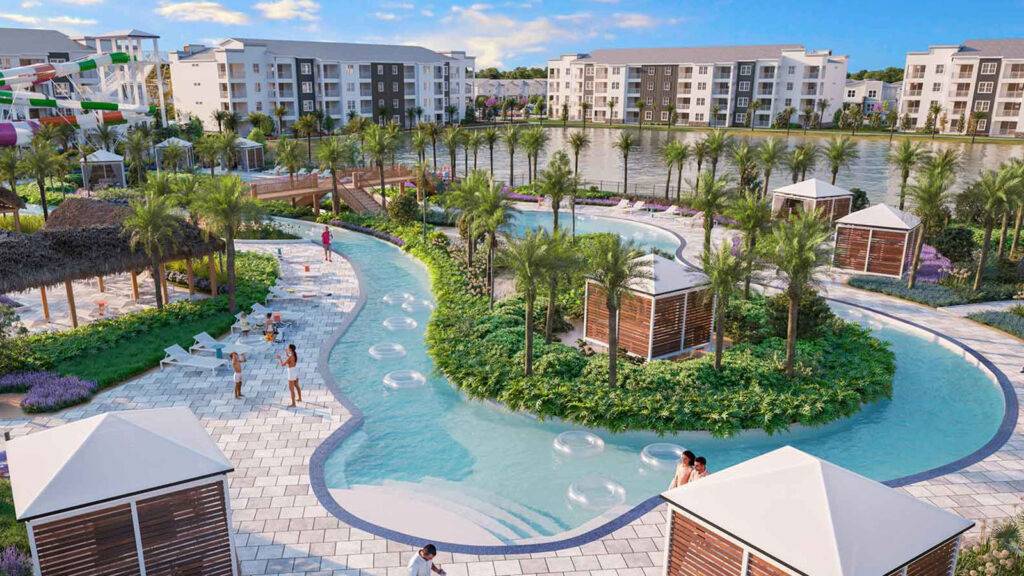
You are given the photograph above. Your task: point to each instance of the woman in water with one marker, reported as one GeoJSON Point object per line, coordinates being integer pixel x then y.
{"type": "Point", "coordinates": [290, 360]}
{"type": "Point", "coordinates": [683, 470]}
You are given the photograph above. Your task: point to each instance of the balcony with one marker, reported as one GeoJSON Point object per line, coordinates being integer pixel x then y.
{"type": "Point", "coordinates": [720, 92]}
{"type": "Point", "coordinates": [952, 93]}
{"type": "Point", "coordinates": [965, 75]}
{"type": "Point", "coordinates": [912, 93]}
{"type": "Point", "coordinates": [1011, 94]}
{"type": "Point", "coordinates": [365, 91]}
{"type": "Point", "coordinates": [223, 93]}
{"type": "Point", "coordinates": [913, 111]}
{"type": "Point", "coordinates": [686, 76]}
{"type": "Point", "coordinates": [332, 91]}
{"type": "Point", "coordinates": [286, 94]}
{"type": "Point", "coordinates": [1013, 74]}
{"type": "Point", "coordinates": [1012, 111]}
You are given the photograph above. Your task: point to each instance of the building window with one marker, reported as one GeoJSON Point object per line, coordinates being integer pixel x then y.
{"type": "Point", "coordinates": [700, 101]}
{"type": "Point", "coordinates": [667, 86]}
{"type": "Point", "coordinates": [984, 87]}
{"type": "Point", "coordinates": [988, 67]}
{"type": "Point", "coordinates": [307, 106]}
{"type": "Point", "coordinates": [702, 85]}
{"type": "Point", "coordinates": [789, 85]}
{"type": "Point", "coordinates": [616, 70]}
{"type": "Point", "coordinates": [651, 71]}
{"type": "Point", "coordinates": [982, 125]}
{"type": "Point", "coordinates": [936, 86]}
{"type": "Point", "coordinates": [664, 101]}
{"type": "Point", "coordinates": [395, 105]}
{"type": "Point", "coordinates": [380, 86]}
{"type": "Point", "coordinates": [741, 118]}
{"type": "Point", "coordinates": [650, 101]}
{"type": "Point", "coordinates": [307, 87]}
{"type": "Point", "coordinates": [394, 69]}
{"type": "Point", "coordinates": [745, 70]}
{"type": "Point", "coordinates": [350, 86]}
{"type": "Point", "coordinates": [648, 115]}
{"type": "Point", "coordinates": [258, 88]}
{"type": "Point", "coordinates": [789, 102]}
{"type": "Point", "coordinates": [702, 70]}
{"type": "Point", "coordinates": [588, 85]}
{"type": "Point", "coordinates": [650, 86]}
{"type": "Point", "coordinates": [380, 69]}
{"type": "Point", "coordinates": [744, 86]}
{"type": "Point", "coordinates": [259, 106]}
{"type": "Point", "coordinates": [255, 68]}
{"type": "Point", "coordinates": [940, 68]}
{"type": "Point", "coordinates": [981, 106]}
{"type": "Point", "coordinates": [872, 93]}
{"type": "Point", "coordinates": [394, 86]}
{"type": "Point", "coordinates": [792, 70]}
{"type": "Point", "coordinates": [699, 117]}
{"type": "Point", "coordinates": [742, 102]}
{"type": "Point", "coordinates": [615, 85]}
{"type": "Point", "coordinates": [350, 69]}
{"type": "Point", "coordinates": [305, 68]}
{"type": "Point", "coordinates": [664, 116]}
{"type": "Point", "coordinates": [851, 93]}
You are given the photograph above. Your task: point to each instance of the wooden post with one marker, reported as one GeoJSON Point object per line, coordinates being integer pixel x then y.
{"type": "Point", "coordinates": [99, 279]}
{"type": "Point", "coordinates": [46, 305]}
{"type": "Point", "coordinates": [191, 277]}
{"type": "Point", "coordinates": [163, 283]}
{"type": "Point", "coordinates": [213, 276]}
{"type": "Point", "coordinates": [17, 221]}
{"type": "Point", "coordinates": [135, 286]}
{"type": "Point", "coordinates": [71, 303]}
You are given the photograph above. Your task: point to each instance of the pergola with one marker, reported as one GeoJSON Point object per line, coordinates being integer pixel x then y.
{"type": "Point", "coordinates": [125, 492]}
{"type": "Point", "coordinates": [189, 159]}
{"type": "Point", "coordinates": [250, 155]}
{"type": "Point", "coordinates": [13, 204]}
{"type": "Point", "coordinates": [830, 201]}
{"type": "Point", "coordinates": [787, 513]}
{"type": "Point", "coordinates": [103, 167]}
{"type": "Point", "coordinates": [84, 238]}
{"type": "Point", "coordinates": [876, 240]}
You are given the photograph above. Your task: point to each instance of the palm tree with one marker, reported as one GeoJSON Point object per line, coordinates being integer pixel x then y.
{"type": "Point", "coordinates": [584, 107]}
{"type": "Point", "coordinates": [451, 110]}
{"type": "Point", "coordinates": [723, 270]}
{"type": "Point", "coordinates": [681, 157]}
{"type": "Point", "coordinates": [615, 265]}
{"type": "Point", "coordinates": [451, 137]}
{"type": "Point", "coordinates": [718, 143]}
{"type": "Point", "coordinates": [224, 207]}
{"type": "Point", "coordinates": [715, 110]}
{"type": "Point", "coordinates": [993, 190]}
{"type": "Point", "coordinates": [464, 197]}
{"type": "Point", "coordinates": [744, 159]}
{"type": "Point", "coordinates": [752, 213]}
{"type": "Point", "coordinates": [261, 121]}
{"type": "Point", "coordinates": [946, 161]}
{"type": "Point", "coordinates": [186, 195]}
{"type": "Point", "coordinates": [418, 143]}
{"type": "Point", "coordinates": [492, 212]}
{"type": "Point", "coordinates": [305, 127]}
{"type": "Point", "coordinates": [433, 131]}
{"type": "Point", "coordinates": [208, 150]}
{"type": "Point", "coordinates": [752, 109]}
{"type": "Point", "coordinates": [669, 152]}
{"type": "Point", "coordinates": [787, 117]}
{"type": "Point", "coordinates": [511, 135]}
{"type": "Point", "coordinates": [641, 105]}
{"type": "Point", "coordinates": [534, 140]}
{"type": "Point", "coordinates": [279, 111]}
{"type": "Point", "coordinates": [929, 195]}
{"type": "Point", "coordinates": [40, 160]}
{"type": "Point", "coordinates": [711, 199]}
{"type": "Point", "coordinates": [769, 155]}
{"type": "Point", "coordinates": [611, 108]}
{"type": "Point", "coordinates": [227, 145]}
{"type": "Point", "coordinates": [219, 116]}
{"type": "Point", "coordinates": [289, 157]}
{"type": "Point", "coordinates": [152, 226]}
{"type": "Point", "coordinates": [556, 182]}
{"type": "Point", "coordinates": [380, 143]}
{"type": "Point", "coordinates": [578, 141]}
{"type": "Point", "coordinates": [671, 109]}
{"type": "Point", "coordinates": [799, 251]}
{"type": "Point", "coordinates": [173, 155]}
{"type": "Point", "coordinates": [105, 135]}
{"type": "Point", "coordinates": [474, 140]}
{"type": "Point", "coordinates": [625, 144]}
{"type": "Point", "coordinates": [11, 169]}
{"type": "Point", "coordinates": [160, 185]}
{"type": "Point", "coordinates": [135, 149]}
{"type": "Point", "coordinates": [973, 124]}
{"type": "Point", "coordinates": [231, 121]}
{"type": "Point", "coordinates": [562, 263]}
{"type": "Point", "coordinates": [700, 153]}
{"type": "Point", "coordinates": [822, 107]}
{"type": "Point", "coordinates": [335, 154]}
{"type": "Point", "coordinates": [840, 152]}
{"type": "Point", "coordinates": [526, 257]}
{"type": "Point", "coordinates": [907, 156]}
{"type": "Point", "coordinates": [491, 137]}
{"type": "Point", "coordinates": [410, 115]}
{"type": "Point", "coordinates": [808, 116]}
{"type": "Point", "coordinates": [424, 185]}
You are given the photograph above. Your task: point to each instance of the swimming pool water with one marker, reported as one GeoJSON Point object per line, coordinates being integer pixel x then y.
{"type": "Point", "coordinates": [504, 465]}
{"type": "Point", "coordinates": [649, 236]}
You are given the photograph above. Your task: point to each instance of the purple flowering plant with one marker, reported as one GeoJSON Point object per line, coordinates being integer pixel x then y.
{"type": "Point", "coordinates": [47, 391]}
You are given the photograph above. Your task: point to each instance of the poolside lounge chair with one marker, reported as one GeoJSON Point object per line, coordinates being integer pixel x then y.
{"type": "Point", "coordinates": [178, 356]}
{"type": "Point", "coordinates": [278, 293]}
{"type": "Point", "coordinates": [207, 343]}
{"type": "Point", "coordinates": [671, 211]}
{"type": "Point", "coordinates": [260, 311]}
{"type": "Point", "coordinates": [638, 207]}
{"type": "Point", "coordinates": [302, 172]}
{"type": "Point", "coordinates": [622, 205]}
{"type": "Point", "coordinates": [697, 220]}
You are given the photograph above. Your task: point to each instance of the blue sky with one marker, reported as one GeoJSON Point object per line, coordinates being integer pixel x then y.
{"type": "Point", "coordinates": [507, 33]}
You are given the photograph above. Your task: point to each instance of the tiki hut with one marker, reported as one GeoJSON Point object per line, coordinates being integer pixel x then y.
{"type": "Point", "coordinates": [787, 513]}
{"type": "Point", "coordinates": [662, 316]}
{"type": "Point", "coordinates": [830, 201]}
{"type": "Point", "coordinates": [11, 203]}
{"type": "Point", "coordinates": [876, 240]}
{"type": "Point", "coordinates": [189, 159]}
{"type": "Point", "coordinates": [129, 492]}
{"type": "Point", "coordinates": [103, 168]}
{"type": "Point", "coordinates": [250, 155]}
{"type": "Point", "coordinates": [84, 238]}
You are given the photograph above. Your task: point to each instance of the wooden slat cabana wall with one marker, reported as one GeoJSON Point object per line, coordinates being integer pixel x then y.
{"type": "Point", "coordinates": [880, 251]}
{"type": "Point", "coordinates": [831, 209]}
{"type": "Point", "coordinates": [696, 548]}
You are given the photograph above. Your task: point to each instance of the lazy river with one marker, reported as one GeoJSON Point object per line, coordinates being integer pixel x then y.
{"type": "Point", "coordinates": [514, 480]}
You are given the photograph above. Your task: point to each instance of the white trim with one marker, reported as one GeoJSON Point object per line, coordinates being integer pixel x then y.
{"type": "Point", "coordinates": [956, 557]}
{"type": "Point", "coordinates": [867, 256]}
{"type": "Point", "coordinates": [231, 531]}
{"type": "Point", "coordinates": [903, 255]}
{"type": "Point", "coordinates": [746, 562]}
{"type": "Point", "coordinates": [586, 305]}
{"type": "Point", "coordinates": [36, 571]}
{"type": "Point", "coordinates": [138, 538]}
{"type": "Point", "coordinates": [668, 540]}
{"type": "Point", "coordinates": [686, 308]}
{"type": "Point", "coordinates": [650, 332]}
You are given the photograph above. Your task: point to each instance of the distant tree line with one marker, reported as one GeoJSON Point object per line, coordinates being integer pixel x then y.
{"type": "Point", "coordinates": [519, 73]}
{"type": "Point", "coordinates": [890, 74]}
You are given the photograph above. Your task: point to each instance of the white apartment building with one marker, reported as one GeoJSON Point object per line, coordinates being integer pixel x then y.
{"type": "Point", "coordinates": [871, 93]}
{"type": "Point", "coordinates": [25, 46]}
{"type": "Point", "coordinates": [500, 89]}
{"type": "Point", "coordinates": [696, 80]}
{"type": "Point", "coordinates": [247, 75]}
{"type": "Point", "coordinates": [983, 76]}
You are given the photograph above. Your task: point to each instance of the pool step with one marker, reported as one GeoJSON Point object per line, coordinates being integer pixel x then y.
{"type": "Point", "coordinates": [540, 521]}
{"type": "Point", "coordinates": [503, 526]}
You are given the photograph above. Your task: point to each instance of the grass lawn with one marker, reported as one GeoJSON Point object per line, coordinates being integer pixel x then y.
{"type": "Point", "coordinates": [12, 532]}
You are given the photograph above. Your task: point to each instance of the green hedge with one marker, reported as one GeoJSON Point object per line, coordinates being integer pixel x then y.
{"type": "Point", "coordinates": [1010, 321]}
{"type": "Point", "coordinates": [12, 532]}
{"type": "Point", "coordinates": [111, 351]}
{"type": "Point", "coordinates": [480, 351]}
{"type": "Point", "coordinates": [932, 294]}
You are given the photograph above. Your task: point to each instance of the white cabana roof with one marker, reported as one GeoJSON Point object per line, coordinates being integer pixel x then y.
{"type": "Point", "coordinates": [816, 517]}
{"type": "Point", "coordinates": [668, 276]}
{"type": "Point", "coordinates": [814, 189]}
{"type": "Point", "coordinates": [174, 140]}
{"type": "Point", "coordinates": [246, 143]}
{"type": "Point", "coordinates": [102, 156]}
{"type": "Point", "coordinates": [881, 216]}
{"type": "Point", "coordinates": [109, 456]}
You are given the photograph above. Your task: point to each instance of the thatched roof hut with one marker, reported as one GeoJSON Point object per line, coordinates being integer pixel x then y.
{"type": "Point", "coordinates": [9, 201]}
{"type": "Point", "coordinates": [84, 239]}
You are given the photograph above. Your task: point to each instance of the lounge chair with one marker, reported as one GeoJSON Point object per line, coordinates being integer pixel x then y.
{"type": "Point", "coordinates": [278, 293]}
{"type": "Point", "coordinates": [207, 343]}
{"type": "Point", "coordinates": [302, 172]}
{"type": "Point", "coordinates": [640, 206]}
{"type": "Point", "coordinates": [260, 312]}
{"type": "Point", "coordinates": [697, 220]}
{"type": "Point", "coordinates": [671, 211]}
{"type": "Point", "coordinates": [622, 205]}
{"type": "Point", "coordinates": [178, 356]}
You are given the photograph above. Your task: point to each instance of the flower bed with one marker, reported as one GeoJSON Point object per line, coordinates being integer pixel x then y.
{"type": "Point", "coordinates": [9, 302]}
{"type": "Point", "coordinates": [1010, 321]}
{"type": "Point", "coordinates": [47, 391]}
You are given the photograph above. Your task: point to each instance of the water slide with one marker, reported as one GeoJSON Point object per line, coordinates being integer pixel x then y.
{"type": "Point", "coordinates": [36, 100]}
{"type": "Point", "coordinates": [44, 72]}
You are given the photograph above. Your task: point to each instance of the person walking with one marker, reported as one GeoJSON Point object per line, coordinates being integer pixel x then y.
{"type": "Point", "coordinates": [422, 562]}
{"type": "Point", "coordinates": [290, 361]}
{"type": "Point", "coordinates": [683, 470]}
{"type": "Point", "coordinates": [236, 363]}
{"type": "Point", "coordinates": [325, 238]}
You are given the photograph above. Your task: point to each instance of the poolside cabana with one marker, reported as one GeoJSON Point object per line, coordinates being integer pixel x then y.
{"type": "Point", "coordinates": [131, 492]}
{"type": "Point", "coordinates": [103, 168]}
{"type": "Point", "coordinates": [831, 202]}
{"type": "Point", "coordinates": [788, 513]}
{"type": "Point", "coordinates": [659, 317]}
{"type": "Point", "coordinates": [11, 203]}
{"type": "Point", "coordinates": [83, 239]}
{"type": "Point", "coordinates": [250, 155]}
{"type": "Point", "coordinates": [876, 240]}
{"type": "Point", "coordinates": [188, 159]}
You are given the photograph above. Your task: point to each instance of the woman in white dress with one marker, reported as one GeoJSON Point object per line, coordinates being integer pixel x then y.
{"type": "Point", "coordinates": [290, 361]}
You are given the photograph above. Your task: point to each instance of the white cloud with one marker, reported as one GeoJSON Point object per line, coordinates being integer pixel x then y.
{"type": "Point", "coordinates": [575, 17]}
{"type": "Point", "coordinates": [632, 20]}
{"type": "Point", "coordinates": [398, 5]}
{"type": "Point", "coordinates": [20, 18]}
{"type": "Point", "coordinates": [387, 16]}
{"type": "Point", "coordinates": [427, 13]}
{"type": "Point", "coordinates": [289, 10]}
{"type": "Point", "coordinates": [83, 2]}
{"type": "Point", "coordinates": [201, 11]}
{"type": "Point", "coordinates": [70, 21]}
{"type": "Point", "coordinates": [603, 1]}
{"type": "Point", "coordinates": [30, 4]}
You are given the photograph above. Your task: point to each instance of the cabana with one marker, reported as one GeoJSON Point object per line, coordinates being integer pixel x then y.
{"type": "Point", "coordinates": [102, 167]}
{"type": "Point", "coordinates": [131, 492]}
{"type": "Point", "coordinates": [250, 155]}
{"type": "Point", "coordinates": [831, 202]}
{"type": "Point", "coordinates": [876, 240]}
{"type": "Point", "coordinates": [659, 317]}
{"type": "Point", "coordinates": [84, 238]}
{"type": "Point", "coordinates": [11, 203]}
{"type": "Point", "coordinates": [188, 160]}
{"type": "Point", "coordinates": [788, 513]}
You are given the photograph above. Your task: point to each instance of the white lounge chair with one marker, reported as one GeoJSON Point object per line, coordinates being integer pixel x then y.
{"type": "Point", "coordinates": [669, 212]}
{"type": "Point", "coordinates": [638, 207]}
{"type": "Point", "coordinates": [302, 172]}
{"type": "Point", "coordinates": [178, 356]}
{"type": "Point", "coordinates": [207, 343]}
{"type": "Point", "coordinates": [697, 220]}
{"type": "Point", "coordinates": [278, 293]}
{"type": "Point", "coordinates": [260, 311]}
{"type": "Point", "coordinates": [622, 205]}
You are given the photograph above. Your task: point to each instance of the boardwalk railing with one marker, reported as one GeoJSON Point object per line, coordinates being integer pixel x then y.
{"type": "Point", "coordinates": [269, 185]}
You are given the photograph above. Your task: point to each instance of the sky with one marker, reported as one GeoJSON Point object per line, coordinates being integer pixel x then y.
{"type": "Point", "coordinates": [509, 33]}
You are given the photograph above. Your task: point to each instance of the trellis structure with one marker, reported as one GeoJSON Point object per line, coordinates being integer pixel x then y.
{"type": "Point", "coordinates": [877, 240]}
{"type": "Point", "coordinates": [812, 195]}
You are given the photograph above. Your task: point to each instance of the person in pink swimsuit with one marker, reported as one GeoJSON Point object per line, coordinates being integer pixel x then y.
{"type": "Point", "coordinates": [325, 238]}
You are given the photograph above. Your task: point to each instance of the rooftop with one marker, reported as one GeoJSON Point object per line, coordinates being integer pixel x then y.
{"type": "Point", "coordinates": [813, 188]}
{"type": "Point", "coordinates": [343, 51]}
{"type": "Point", "coordinates": [882, 216]}
{"type": "Point", "coordinates": [15, 41]}
{"type": "Point", "coordinates": [697, 54]}
{"type": "Point", "coordinates": [667, 276]}
{"type": "Point", "coordinates": [994, 48]}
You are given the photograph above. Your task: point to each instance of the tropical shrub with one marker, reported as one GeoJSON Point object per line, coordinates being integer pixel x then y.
{"type": "Point", "coordinates": [30, 223]}
{"type": "Point", "coordinates": [285, 210]}
{"type": "Point", "coordinates": [812, 317]}
{"type": "Point", "coordinates": [404, 208]}
{"type": "Point", "coordinates": [12, 348]}
{"type": "Point", "coordinates": [1011, 322]}
{"type": "Point", "coordinates": [930, 294]}
{"type": "Point", "coordinates": [860, 200]}
{"type": "Point", "coordinates": [956, 243]}
{"type": "Point", "coordinates": [263, 231]}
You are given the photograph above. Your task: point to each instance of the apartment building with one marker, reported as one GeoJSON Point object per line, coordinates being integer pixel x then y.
{"type": "Point", "coordinates": [695, 82]}
{"type": "Point", "coordinates": [26, 46]}
{"type": "Point", "coordinates": [500, 89]}
{"type": "Point", "coordinates": [247, 75]}
{"type": "Point", "coordinates": [983, 76]}
{"type": "Point", "coordinates": [873, 93]}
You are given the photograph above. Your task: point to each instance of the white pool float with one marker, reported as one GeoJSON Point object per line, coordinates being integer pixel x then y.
{"type": "Point", "coordinates": [387, 351]}
{"type": "Point", "coordinates": [404, 379]}
{"type": "Point", "coordinates": [578, 443]}
{"type": "Point", "coordinates": [395, 323]}
{"type": "Point", "coordinates": [596, 493]}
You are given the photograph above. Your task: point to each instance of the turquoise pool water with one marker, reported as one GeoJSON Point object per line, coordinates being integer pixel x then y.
{"type": "Point", "coordinates": [585, 224]}
{"type": "Point", "coordinates": [504, 466]}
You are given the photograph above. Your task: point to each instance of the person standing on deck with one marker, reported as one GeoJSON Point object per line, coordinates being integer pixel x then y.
{"type": "Point", "coordinates": [325, 238]}
{"type": "Point", "coordinates": [422, 562]}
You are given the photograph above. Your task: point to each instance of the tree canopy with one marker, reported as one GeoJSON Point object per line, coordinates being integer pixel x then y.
{"type": "Point", "coordinates": [890, 74]}
{"type": "Point", "coordinates": [517, 73]}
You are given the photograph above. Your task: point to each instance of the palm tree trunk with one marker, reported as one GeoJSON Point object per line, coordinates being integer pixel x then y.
{"type": "Point", "coordinates": [511, 169]}
{"type": "Point", "coordinates": [549, 321]}
{"type": "Point", "coordinates": [794, 307]}
{"type": "Point", "coordinates": [41, 182]}
{"type": "Point", "coordinates": [719, 337]}
{"type": "Point", "coordinates": [625, 174]}
{"type": "Point", "coordinates": [491, 244]}
{"type": "Point", "coordinates": [155, 271]}
{"type": "Point", "coordinates": [984, 252]}
{"type": "Point", "coordinates": [335, 201]}
{"type": "Point", "coordinates": [916, 261]}
{"type": "Point", "coordinates": [490, 151]}
{"type": "Point", "coordinates": [572, 208]}
{"type": "Point", "coordinates": [528, 361]}
{"type": "Point", "coordinates": [679, 184]}
{"type": "Point", "coordinates": [668, 182]}
{"type": "Point", "coordinates": [383, 192]}
{"type": "Point", "coordinates": [767, 177]}
{"type": "Point", "coordinates": [433, 147]}
{"type": "Point", "coordinates": [835, 172]}
{"type": "Point", "coordinates": [1002, 233]}
{"type": "Point", "coordinates": [903, 187]}
{"type": "Point", "coordinates": [229, 240]}
{"type": "Point", "coordinates": [1016, 230]}
{"type": "Point", "coordinates": [554, 215]}
{"type": "Point", "coordinates": [751, 244]}
{"type": "Point", "coordinates": [613, 346]}
{"type": "Point", "coordinates": [474, 160]}
{"type": "Point", "coordinates": [714, 168]}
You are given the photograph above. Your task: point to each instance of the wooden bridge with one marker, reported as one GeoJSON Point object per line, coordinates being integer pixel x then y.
{"type": "Point", "coordinates": [355, 188]}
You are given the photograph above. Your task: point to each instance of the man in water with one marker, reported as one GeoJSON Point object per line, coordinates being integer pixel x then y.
{"type": "Point", "coordinates": [700, 469]}
{"type": "Point", "coordinates": [325, 238]}
{"type": "Point", "coordinates": [422, 563]}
